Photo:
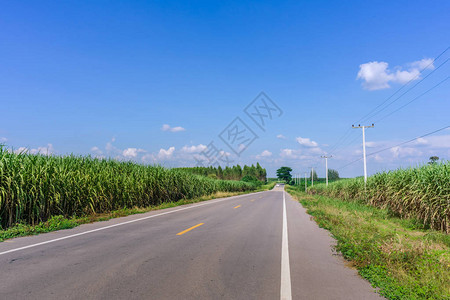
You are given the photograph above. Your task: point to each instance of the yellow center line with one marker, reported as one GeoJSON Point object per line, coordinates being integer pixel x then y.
{"type": "Point", "coordinates": [189, 229]}
{"type": "Point", "coordinates": [237, 206]}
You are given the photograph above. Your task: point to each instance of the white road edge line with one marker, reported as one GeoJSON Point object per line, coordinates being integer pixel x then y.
{"type": "Point", "coordinates": [285, 291]}
{"type": "Point", "coordinates": [120, 224]}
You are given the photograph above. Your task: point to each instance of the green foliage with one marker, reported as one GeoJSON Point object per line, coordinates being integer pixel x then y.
{"type": "Point", "coordinates": [284, 173]}
{"type": "Point", "coordinates": [333, 174]}
{"type": "Point", "coordinates": [403, 263]}
{"type": "Point", "coordinates": [314, 175]}
{"type": "Point", "coordinates": [422, 193]}
{"type": "Point", "coordinates": [433, 160]}
{"type": "Point", "coordinates": [229, 173]}
{"type": "Point", "coordinates": [34, 188]}
{"type": "Point", "coordinates": [54, 223]}
{"type": "Point", "coordinates": [250, 178]}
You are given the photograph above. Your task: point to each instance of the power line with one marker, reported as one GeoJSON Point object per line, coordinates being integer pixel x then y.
{"type": "Point", "coordinates": [389, 104]}
{"type": "Point", "coordinates": [373, 153]}
{"type": "Point", "coordinates": [345, 135]}
{"type": "Point", "coordinates": [424, 93]}
{"type": "Point", "coordinates": [349, 143]}
{"type": "Point", "coordinates": [409, 141]}
{"type": "Point", "coordinates": [437, 57]}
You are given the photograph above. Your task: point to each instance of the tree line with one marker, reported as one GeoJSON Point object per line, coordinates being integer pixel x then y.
{"type": "Point", "coordinates": [284, 173]}
{"type": "Point", "coordinates": [246, 173]}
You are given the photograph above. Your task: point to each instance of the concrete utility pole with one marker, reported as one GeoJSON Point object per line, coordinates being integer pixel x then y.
{"type": "Point", "coordinates": [326, 166]}
{"type": "Point", "coordinates": [306, 187]}
{"type": "Point", "coordinates": [312, 176]}
{"type": "Point", "coordinates": [364, 149]}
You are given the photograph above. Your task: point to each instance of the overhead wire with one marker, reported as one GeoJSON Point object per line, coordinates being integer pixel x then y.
{"type": "Point", "coordinates": [388, 148]}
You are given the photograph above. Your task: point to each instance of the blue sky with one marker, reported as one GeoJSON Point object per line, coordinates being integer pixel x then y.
{"type": "Point", "coordinates": [104, 77]}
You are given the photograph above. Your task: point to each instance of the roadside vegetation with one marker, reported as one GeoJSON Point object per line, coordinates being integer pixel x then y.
{"type": "Point", "coordinates": [422, 193]}
{"type": "Point", "coordinates": [35, 188]}
{"type": "Point", "coordinates": [231, 173]}
{"type": "Point", "coordinates": [60, 222]}
{"type": "Point", "coordinates": [400, 257]}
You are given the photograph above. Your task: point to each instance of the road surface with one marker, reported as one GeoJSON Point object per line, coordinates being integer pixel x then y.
{"type": "Point", "coordinates": [255, 246]}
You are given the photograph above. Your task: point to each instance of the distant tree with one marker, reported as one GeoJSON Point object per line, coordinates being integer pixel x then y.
{"type": "Point", "coordinates": [251, 178]}
{"type": "Point", "coordinates": [220, 172]}
{"type": "Point", "coordinates": [333, 174]}
{"type": "Point", "coordinates": [314, 174]}
{"type": "Point", "coordinates": [284, 173]}
{"type": "Point", "coordinates": [433, 160]}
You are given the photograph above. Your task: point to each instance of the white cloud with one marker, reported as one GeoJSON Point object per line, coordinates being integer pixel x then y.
{"type": "Point", "coordinates": [44, 150]}
{"type": "Point", "coordinates": [165, 154]}
{"type": "Point", "coordinates": [193, 149]}
{"type": "Point", "coordinates": [426, 63]}
{"type": "Point", "coordinates": [281, 137]}
{"type": "Point", "coordinates": [306, 142]}
{"type": "Point", "coordinates": [264, 154]}
{"type": "Point", "coordinates": [167, 127]}
{"type": "Point", "coordinates": [421, 141]}
{"type": "Point", "coordinates": [377, 75]}
{"type": "Point", "coordinates": [316, 150]}
{"type": "Point", "coordinates": [20, 150]}
{"type": "Point", "coordinates": [224, 153]}
{"type": "Point", "coordinates": [398, 152]}
{"type": "Point", "coordinates": [437, 141]}
{"type": "Point", "coordinates": [3, 139]}
{"type": "Point", "coordinates": [372, 144]}
{"type": "Point", "coordinates": [288, 153]}
{"type": "Point", "coordinates": [132, 152]}
{"type": "Point", "coordinates": [148, 158]}
{"type": "Point", "coordinates": [96, 150]}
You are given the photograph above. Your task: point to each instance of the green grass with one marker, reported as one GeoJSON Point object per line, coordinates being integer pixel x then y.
{"type": "Point", "coordinates": [60, 222]}
{"type": "Point", "coordinates": [398, 256]}
{"type": "Point", "coordinates": [35, 188]}
{"type": "Point", "coordinates": [421, 193]}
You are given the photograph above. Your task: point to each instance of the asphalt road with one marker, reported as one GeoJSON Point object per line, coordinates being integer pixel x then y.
{"type": "Point", "coordinates": [254, 246]}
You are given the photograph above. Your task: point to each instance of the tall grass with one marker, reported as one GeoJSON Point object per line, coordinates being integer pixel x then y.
{"type": "Point", "coordinates": [34, 188]}
{"type": "Point", "coordinates": [422, 193]}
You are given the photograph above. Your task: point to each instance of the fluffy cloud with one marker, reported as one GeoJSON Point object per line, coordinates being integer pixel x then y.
{"type": "Point", "coordinates": [288, 153]}
{"type": "Point", "coordinates": [132, 152]}
{"type": "Point", "coordinates": [281, 137]}
{"type": "Point", "coordinates": [398, 152]}
{"type": "Point", "coordinates": [3, 139]}
{"type": "Point", "coordinates": [377, 75]}
{"type": "Point", "coordinates": [165, 154]}
{"type": "Point", "coordinates": [264, 154]}
{"type": "Point", "coordinates": [193, 149]}
{"type": "Point", "coordinates": [148, 158]}
{"type": "Point", "coordinates": [96, 150]}
{"type": "Point", "coordinates": [306, 142]}
{"type": "Point", "coordinates": [44, 150]}
{"type": "Point", "coordinates": [167, 127]}
{"type": "Point", "coordinates": [21, 150]}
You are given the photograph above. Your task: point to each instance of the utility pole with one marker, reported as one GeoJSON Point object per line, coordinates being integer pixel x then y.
{"type": "Point", "coordinates": [326, 166]}
{"type": "Point", "coordinates": [306, 187]}
{"type": "Point", "coordinates": [364, 149]}
{"type": "Point", "coordinates": [312, 176]}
